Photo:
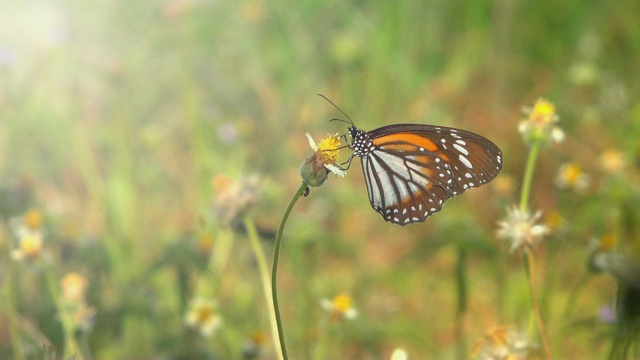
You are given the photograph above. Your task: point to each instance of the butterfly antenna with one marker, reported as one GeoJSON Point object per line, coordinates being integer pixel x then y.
{"type": "Point", "coordinates": [336, 106]}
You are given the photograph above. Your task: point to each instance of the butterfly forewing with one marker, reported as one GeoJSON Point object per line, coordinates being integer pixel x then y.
{"type": "Point", "coordinates": [410, 170]}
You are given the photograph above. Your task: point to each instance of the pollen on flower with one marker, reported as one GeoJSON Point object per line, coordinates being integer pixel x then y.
{"type": "Point", "coordinates": [543, 111]}
{"type": "Point", "coordinates": [329, 148]}
{"type": "Point", "coordinates": [340, 307]}
{"type": "Point", "coordinates": [342, 303]}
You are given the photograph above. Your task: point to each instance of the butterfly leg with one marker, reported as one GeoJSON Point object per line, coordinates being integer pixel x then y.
{"type": "Point", "coordinates": [348, 162]}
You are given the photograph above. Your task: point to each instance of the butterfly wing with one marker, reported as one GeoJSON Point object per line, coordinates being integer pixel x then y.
{"type": "Point", "coordinates": [414, 168]}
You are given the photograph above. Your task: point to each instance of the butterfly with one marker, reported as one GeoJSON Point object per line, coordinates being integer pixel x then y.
{"type": "Point", "coordinates": [411, 169]}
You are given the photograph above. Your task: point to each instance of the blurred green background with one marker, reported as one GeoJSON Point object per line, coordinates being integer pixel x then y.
{"type": "Point", "coordinates": [118, 119]}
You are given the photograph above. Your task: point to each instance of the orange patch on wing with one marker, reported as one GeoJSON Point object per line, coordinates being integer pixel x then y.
{"type": "Point", "coordinates": [414, 139]}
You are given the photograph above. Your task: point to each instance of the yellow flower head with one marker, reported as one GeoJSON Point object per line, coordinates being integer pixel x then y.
{"type": "Point", "coordinates": [328, 148]}
{"type": "Point", "coordinates": [571, 176]}
{"type": "Point", "coordinates": [555, 221]}
{"type": "Point", "coordinates": [543, 112]}
{"type": "Point", "coordinates": [539, 126]}
{"type": "Point", "coordinates": [203, 315]}
{"type": "Point", "coordinates": [315, 169]}
{"type": "Point", "coordinates": [74, 286]}
{"type": "Point", "coordinates": [29, 246]}
{"type": "Point", "coordinates": [29, 234]}
{"type": "Point", "coordinates": [613, 161]}
{"type": "Point", "coordinates": [341, 303]}
{"type": "Point", "coordinates": [33, 219]}
{"type": "Point", "coordinates": [340, 307]}
{"type": "Point", "coordinates": [607, 243]}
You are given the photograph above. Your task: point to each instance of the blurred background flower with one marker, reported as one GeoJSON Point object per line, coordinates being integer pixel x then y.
{"type": "Point", "coordinates": [203, 316]}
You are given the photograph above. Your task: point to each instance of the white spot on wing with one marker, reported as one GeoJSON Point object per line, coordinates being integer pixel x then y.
{"type": "Point", "coordinates": [465, 161]}
{"type": "Point", "coordinates": [461, 149]}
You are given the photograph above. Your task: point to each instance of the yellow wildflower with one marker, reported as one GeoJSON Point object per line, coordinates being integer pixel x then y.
{"type": "Point", "coordinates": [571, 176]}
{"type": "Point", "coordinates": [539, 127]}
{"type": "Point", "coordinates": [203, 315]}
{"type": "Point", "coordinates": [340, 307]}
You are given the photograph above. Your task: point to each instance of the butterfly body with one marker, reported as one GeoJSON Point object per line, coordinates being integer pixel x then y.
{"type": "Point", "coordinates": [411, 169]}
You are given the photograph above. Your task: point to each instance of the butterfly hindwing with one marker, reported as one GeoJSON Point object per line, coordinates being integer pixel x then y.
{"type": "Point", "coordinates": [404, 190]}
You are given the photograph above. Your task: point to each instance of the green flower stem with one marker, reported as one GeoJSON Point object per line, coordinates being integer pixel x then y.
{"type": "Point", "coordinates": [571, 303]}
{"type": "Point", "coordinates": [529, 264]}
{"type": "Point", "coordinates": [218, 259]}
{"type": "Point", "coordinates": [528, 176]}
{"type": "Point", "coordinates": [528, 256]}
{"type": "Point", "coordinates": [10, 298]}
{"type": "Point", "coordinates": [274, 270]}
{"type": "Point", "coordinates": [461, 277]}
{"type": "Point", "coordinates": [254, 239]}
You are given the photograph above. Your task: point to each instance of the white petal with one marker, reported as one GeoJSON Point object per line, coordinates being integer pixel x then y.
{"type": "Point", "coordinates": [312, 143]}
{"type": "Point", "coordinates": [557, 134]}
{"type": "Point", "coordinates": [336, 170]}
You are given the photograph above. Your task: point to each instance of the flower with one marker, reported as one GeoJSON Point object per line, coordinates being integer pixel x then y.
{"type": "Point", "coordinates": [234, 199]}
{"type": "Point", "coordinates": [28, 230]}
{"type": "Point", "coordinates": [555, 221]}
{"type": "Point", "coordinates": [607, 314]}
{"type": "Point", "coordinates": [603, 255]}
{"type": "Point", "coordinates": [613, 161]}
{"type": "Point", "coordinates": [571, 176]}
{"type": "Point", "coordinates": [33, 219]}
{"type": "Point", "coordinates": [315, 169]}
{"type": "Point", "coordinates": [29, 246]}
{"type": "Point", "coordinates": [203, 316]}
{"type": "Point", "coordinates": [251, 348]}
{"type": "Point", "coordinates": [84, 318]}
{"type": "Point", "coordinates": [539, 127]}
{"type": "Point", "coordinates": [502, 342]}
{"type": "Point", "coordinates": [74, 287]}
{"type": "Point", "coordinates": [340, 307]}
{"type": "Point", "coordinates": [399, 354]}
{"type": "Point", "coordinates": [520, 228]}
